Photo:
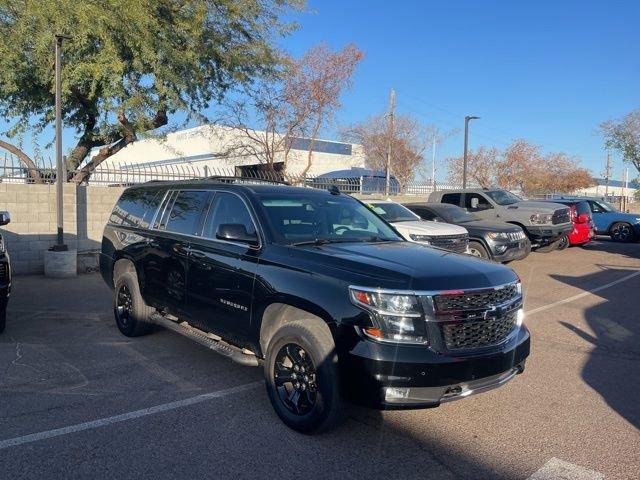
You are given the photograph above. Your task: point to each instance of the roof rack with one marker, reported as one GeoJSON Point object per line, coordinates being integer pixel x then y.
{"type": "Point", "coordinates": [230, 179]}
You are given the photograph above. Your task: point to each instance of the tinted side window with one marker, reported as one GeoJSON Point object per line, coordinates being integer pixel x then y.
{"type": "Point", "coordinates": [482, 203]}
{"type": "Point", "coordinates": [186, 212]}
{"type": "Point", "coordinates": [424, 213]}
{"type": "Point", "coordinates": [595, 207]}
{"type": "Point", "coordinates": [582, 207]}
{"type": "Point", "coordinates": [452, 198]}
{"type": "Point", "coordinates": [136, 207]}
{"type": "Point", "coordinates": [227, 208]}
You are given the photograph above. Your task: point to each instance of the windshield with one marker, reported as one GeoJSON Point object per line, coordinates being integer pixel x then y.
{"type": "Point", "coordinates": [393, 212]}
{"type": "Point", "coordinates": [309, 218]}
{"type": "Point", "coordinates": [453, 214]}
{"type": "Point", "coordinates": [502, 197]}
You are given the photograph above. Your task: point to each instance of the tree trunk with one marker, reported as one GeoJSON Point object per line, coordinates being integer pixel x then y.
{"type": "Point", "coordinates": [312, 143]}
{"type": "Point", "coordinates": [32, 169]}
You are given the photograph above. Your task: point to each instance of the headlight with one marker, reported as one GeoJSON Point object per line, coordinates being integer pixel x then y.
{"type": "Point", "coordinates": [397, 317]}
{"type": "Point", "coordinates": [497, 236]}
{"type": "Point", "coordinates": [542, 218]}
{"type": "Point", "coordinates": [420, 238]}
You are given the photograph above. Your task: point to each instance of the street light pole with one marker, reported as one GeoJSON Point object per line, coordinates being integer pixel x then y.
{"type": "Point", "coordinates": [466, 147]}
{"type": "Point", "coordinates": [391, 118]}
{"type": "Point", "coordinates": [59, 246]}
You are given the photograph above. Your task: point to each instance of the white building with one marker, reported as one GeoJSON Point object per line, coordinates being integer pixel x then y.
{"type": "Point", "coordinates": [215, 150]}
{"type": "Point", "coordinates": [616, 189]}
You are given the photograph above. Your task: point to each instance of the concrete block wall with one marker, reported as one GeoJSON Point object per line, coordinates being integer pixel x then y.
{"type": "Point", "coordinates": [34, 221]}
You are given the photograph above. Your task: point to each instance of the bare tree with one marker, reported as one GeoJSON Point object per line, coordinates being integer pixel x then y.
{"type": "Point", "coordinates": [407, 144]}
{"type": "Point", "coordinates": [521, 167]}
{"type": "Point", "coordinates": [482, 166]}
{"type": "Point", "coordinates": [32, 169]}
{"type": "Point", "coordinates": [320, 77]}
{"type": "Point", "coordinates": [624, 136]}
{"type": "Point", "coordinates": [297, 103]}
{"type": "Point", "coordinates": [563, 174]}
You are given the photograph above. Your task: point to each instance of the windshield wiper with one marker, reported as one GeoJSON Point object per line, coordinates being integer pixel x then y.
{"type": "Point", "coordinates": [325, 241]}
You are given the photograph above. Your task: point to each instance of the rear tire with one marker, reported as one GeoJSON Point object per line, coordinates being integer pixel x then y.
{"type": "Point", "coordinates": [131, 312]}
{"type": "Point", "coordinates": [301, 372]}
{"type": "Point", "coordinates": [476, 249]}
{"type": "Point", "coordinates": [622, 232]}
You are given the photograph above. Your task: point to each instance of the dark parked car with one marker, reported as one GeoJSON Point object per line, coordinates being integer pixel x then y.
{"type": "Point", "coordinates": [499, 241]}
{"type": "Point", "coordinates": [316, 287]}
{"type": "Point", "coordinates": [5, 273]}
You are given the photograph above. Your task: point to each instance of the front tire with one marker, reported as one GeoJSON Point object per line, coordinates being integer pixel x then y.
{"type": "Point", "coordinates": [563, 243]}
{"type": "Point", "coordinates": [301, 375]}
{"type": "Point", "coordinates": [622, 232]}
{"type": "Point", "coordinates": [476, 249]}
{"type": "Point", "coordinates": [131, 312]}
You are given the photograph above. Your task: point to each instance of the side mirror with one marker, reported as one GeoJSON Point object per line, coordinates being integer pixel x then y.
{"type": "Point", "coordinates": [4, 218]}
{"type": "Point", "coordinates": [583, 218]}
{"type": "Point", "coordinates": [236, 232]}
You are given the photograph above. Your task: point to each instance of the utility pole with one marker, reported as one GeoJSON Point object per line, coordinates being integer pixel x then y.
{"type": "Point", "coordinates": [466, 147]}
{"type": "Point", "coordinates": [60, 177]}
{"type": "Point", "coordinates": [625, 185]}
{"type": "Point", "coordinates": [433, 164]}
{"type": "Point", "coordinates": [607, 175]}
{"type": "Point", "coordinates": [391, 119]}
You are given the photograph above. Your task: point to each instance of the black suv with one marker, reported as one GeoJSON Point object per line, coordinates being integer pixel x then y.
{"type": "Point", "coordinates": [498, 241]}
{"type": "Point", "coordinates": [318, 288]}
{"type": "Point", "coordinates": [5, 273]}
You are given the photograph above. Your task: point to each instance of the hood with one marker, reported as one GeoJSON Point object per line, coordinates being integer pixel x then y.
{"type": "Point", "coordinates": [536, 207]}
{"type": "Point", "coordinates": [490, 226]}
{"type": "Point", "coordinates": [425, 227]}
{"type": "Point", "coordinates": [403, 265]}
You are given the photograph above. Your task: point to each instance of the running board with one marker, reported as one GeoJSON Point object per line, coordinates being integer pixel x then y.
{"type": "Point", "coordinates": [209, 340]}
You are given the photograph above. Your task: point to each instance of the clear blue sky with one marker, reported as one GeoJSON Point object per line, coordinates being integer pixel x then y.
{"type": "Point", "coordinates": [547, 71]}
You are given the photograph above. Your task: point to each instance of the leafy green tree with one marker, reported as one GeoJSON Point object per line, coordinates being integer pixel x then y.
{"type": "Point", "coordinates": [623, 135]}
{"type": "Point", "coordinates": [130, 64]}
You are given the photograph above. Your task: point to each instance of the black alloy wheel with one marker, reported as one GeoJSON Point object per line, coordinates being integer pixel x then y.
{"type": "Point", "coordinates": [622, 232]}
{"type": "Point", "coordinates": [563, 243]}
{"type": "Point", "coordinates": [124, 307]}
{"type": "Point", "coordinates": [295, 379]}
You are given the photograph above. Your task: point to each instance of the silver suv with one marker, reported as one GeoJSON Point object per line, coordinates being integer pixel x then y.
{"type": "Point", "coordinates": [543, 222]}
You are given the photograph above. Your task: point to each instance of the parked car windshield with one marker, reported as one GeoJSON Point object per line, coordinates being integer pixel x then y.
{"type": "Point", "coordinates": [502, 197]}
{"type": "Point", "coordinates": [393, 212]}
{"type": "Point", "coordinates": [607, 206]}
{"type": "Point", "coordinates": [453, 214]}
{"type": "Point", "coordinates": [309, 218]}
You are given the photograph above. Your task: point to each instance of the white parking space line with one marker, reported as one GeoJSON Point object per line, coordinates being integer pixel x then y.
{"type": "Point", "coordinates": [556, 469]}
{"type": "Point", "coordinates": [583, 294]}
{"type": "Point", "coordinates": [102, 422]}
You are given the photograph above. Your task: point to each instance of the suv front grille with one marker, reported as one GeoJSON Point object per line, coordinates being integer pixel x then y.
{"type": "Point", "coordinates": [484, 300]}
{"type": "Point", "coordinates": [478, 333]}
{"type": "Point", "coordinates": [454, 243]}
{"type": "Point", "coordinates": [516, 236]}
{"type": "Point", "coordinates": [561, 215]}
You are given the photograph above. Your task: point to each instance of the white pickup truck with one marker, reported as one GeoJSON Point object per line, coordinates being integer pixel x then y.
{"type": "Point", "coordinates": [413, 228]}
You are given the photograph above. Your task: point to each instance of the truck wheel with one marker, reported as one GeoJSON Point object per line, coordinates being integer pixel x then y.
{"type": "Point", "coordinates": [550, 247]}
{"type": "Point", "coordinates": [301, 375]}
{"type": "Point", "coordinates": [563, 243]}
{"type": "Point", "coordinates": [476, 249]}
{"type": "Point", "coordinates": [132, 314]}
{"type": "Point", "coordinates": [621, 232]}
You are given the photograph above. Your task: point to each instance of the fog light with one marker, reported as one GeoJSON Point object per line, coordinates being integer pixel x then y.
{"type": "Point", "coordinates": [501, 248]}
{"type": "Point", "coordinates": [394, 394]}
{"type": "Point", "coordinates": [520, 317]}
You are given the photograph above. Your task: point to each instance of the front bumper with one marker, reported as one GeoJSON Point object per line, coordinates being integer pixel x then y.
{"type": "Point", "coordinates": [513, 251]}
{"type": "Point", "coordinates": [371, 371]}
{"type": "Point", "coordinates": [546, 234]}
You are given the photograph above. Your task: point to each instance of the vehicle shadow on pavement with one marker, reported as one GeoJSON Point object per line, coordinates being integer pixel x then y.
{"type": "Point", "coordinates": [630, 250]}
{"type": "Point", "coordinates": [611, 369]}
{"type": "Point", "coordinates": [63, 362]}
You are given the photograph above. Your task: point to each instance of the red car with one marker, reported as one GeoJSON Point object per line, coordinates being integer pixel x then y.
{"type": "Point", "coordinates": [583, 227]}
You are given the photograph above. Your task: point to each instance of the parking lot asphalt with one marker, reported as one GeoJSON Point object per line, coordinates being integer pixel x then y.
{"type": "Point", "coordinates": [79, 400]}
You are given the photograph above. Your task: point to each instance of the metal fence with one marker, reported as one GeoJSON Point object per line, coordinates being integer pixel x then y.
{"type": "Point", "coordinates": [118, 175]}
